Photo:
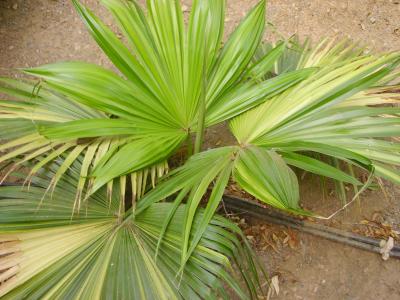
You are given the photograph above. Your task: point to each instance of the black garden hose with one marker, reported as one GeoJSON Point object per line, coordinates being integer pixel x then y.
{"type": "Point", "coordinates": [253, 209]}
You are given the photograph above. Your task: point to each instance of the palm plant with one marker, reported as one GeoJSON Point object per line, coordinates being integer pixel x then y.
{"type": "Point", "coordinates": [88, 133]}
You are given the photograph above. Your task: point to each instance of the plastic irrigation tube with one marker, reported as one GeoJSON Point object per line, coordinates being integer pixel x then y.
{"type": "Point", "coordinates": [253, 209]}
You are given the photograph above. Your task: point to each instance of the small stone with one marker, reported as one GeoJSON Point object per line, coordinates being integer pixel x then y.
{"type": "Point", "coordinates": [14, 6]}
{"type": "Point", "coordinates": [185, 8]}
{"type": "Point", "coordinates": [362, 26]}
{"type": "Point", "coordinates": [11, 47]}
{"type": "Point", "coordinates": [372, 20]}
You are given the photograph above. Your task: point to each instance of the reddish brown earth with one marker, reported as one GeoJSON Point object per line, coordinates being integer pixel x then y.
{"type": "Point", "coordinates": [34, 32]}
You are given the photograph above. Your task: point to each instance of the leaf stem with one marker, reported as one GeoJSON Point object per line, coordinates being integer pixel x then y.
{"type": "Point", "coordinates": [200, 124]}
{"type": "Point", "coordinates": [202, 106]}
{"type": "Point", "coordinates": [189, 144]}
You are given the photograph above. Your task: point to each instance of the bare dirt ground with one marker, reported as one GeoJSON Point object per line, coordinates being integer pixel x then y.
{"type": "Point", "coordinates": [34, 32]}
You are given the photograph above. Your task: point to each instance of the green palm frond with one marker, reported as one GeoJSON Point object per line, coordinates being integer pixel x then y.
{"type": "Point", "coordinates": [99, 253]}
{"type": "Point", "coordinates": [333, 112]}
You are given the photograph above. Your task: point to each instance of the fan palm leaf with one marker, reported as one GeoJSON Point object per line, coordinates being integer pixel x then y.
{"type": "Point", "coordinates": [329, 113]}
{"type": "Point", "coordinates": [101, 253]}
{"type": "Point", "coordinates": [152, 107]}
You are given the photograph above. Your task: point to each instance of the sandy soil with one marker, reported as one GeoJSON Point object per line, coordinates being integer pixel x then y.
{"type": "Point", "coordinates": [34, 32]}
